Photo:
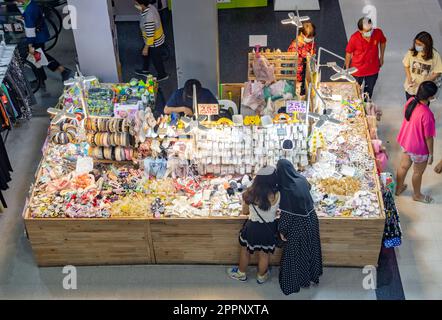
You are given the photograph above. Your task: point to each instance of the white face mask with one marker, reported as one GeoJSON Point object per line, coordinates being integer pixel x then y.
{"type": "Point", "coordinates": [138, 7]}
{"type": "Point", "coordinates": [419, 48]}
{"type": "Point", "coordinates": [308, 40]}
{"type": "Point", "coordinates": [432, 99]}
{"type": "Point", "coordinates": [368, 34]}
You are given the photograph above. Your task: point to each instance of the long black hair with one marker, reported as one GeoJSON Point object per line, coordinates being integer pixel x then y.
{"type": "Point", "coordinates": [427, 40]}
{"type": "Point", "coordinates": [188, 88]}
{"type": "Point", "coordinates": [262, 187]}
{"type": "Point", "coordinates": [426, 90]}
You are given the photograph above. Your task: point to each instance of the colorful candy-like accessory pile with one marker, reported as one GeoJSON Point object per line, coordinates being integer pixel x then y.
{"type": "Point", "coordinates": [157, 208]}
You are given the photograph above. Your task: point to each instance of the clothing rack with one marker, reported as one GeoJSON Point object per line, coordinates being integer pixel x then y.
{"type": "Point", "coordinates": [6, 55]}
{"type": "Point", "coordinates": [16, 99]}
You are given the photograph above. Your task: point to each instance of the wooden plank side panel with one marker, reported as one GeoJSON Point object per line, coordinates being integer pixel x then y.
{"type": "Point", "coordinates": [196, 241]}
{"type": "Point", "coordinates": [345, 242]}
{"type": "Point", "coordinates": [98, 242]}
{"type": "Point", "coordinates": [352, 242]}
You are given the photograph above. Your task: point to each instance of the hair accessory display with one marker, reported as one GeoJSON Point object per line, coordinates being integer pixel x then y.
{"type": "Point", "coordinates": [252, 120]}
{"type": "Point", "coordinates": [282, 118]}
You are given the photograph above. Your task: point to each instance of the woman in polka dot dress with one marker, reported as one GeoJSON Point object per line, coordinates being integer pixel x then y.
{"type": "Point", "coordinates": [301, 261]}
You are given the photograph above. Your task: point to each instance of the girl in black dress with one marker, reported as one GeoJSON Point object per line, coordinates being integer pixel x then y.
{"type": "Point", "coordinates": [259, 234]}
{"type": "Point", "coordinates": [301, 261]}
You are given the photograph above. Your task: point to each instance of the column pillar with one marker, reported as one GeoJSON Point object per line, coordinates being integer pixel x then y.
{"type": "Point", "coordinates": [96, 39]}
{"type": "Point", "coordinates": [195, 28]}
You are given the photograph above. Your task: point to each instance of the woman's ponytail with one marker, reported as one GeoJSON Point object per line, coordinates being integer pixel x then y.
{"type": "Point", "coordinates": [410, 108]}
{"type": "Point", "coordinates": [426, 90]}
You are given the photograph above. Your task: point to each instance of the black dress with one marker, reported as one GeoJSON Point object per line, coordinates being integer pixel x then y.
{"type": "Point", "coordinates": [5, 169]}
{"type": "Point", "coordinates": [301, 261]}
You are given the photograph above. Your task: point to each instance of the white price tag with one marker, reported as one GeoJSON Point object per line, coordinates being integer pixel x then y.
{"type": "Point", "coordinates": [84, 165]}
{"type": "Point", "coordinates": [348, 171]}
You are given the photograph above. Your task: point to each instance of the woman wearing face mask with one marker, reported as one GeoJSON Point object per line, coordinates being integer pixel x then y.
{"type": "Point", "coordinates": [306, 48]}
{"type": "Point", "coordinates": [365, 51]}
{"type": "Point", "coordinates": [416, 138]}
{"type": "Point", "coordinates": [422, 63]}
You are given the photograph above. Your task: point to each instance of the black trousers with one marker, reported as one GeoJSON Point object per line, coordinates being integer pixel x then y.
{"type": "Point", "coordinates": [370, 82]}
{"type": "Point", "coordinates": [53, 63]}
{"type": "Point", "coordinates": [155, 56]}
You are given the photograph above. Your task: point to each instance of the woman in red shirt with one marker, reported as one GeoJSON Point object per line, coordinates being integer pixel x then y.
{"type": "Point", "coordinates": [306, 48]}
{"type": "Point", "coordinates": [365, 51]}
{"type": "Point", "coordinates": [416, 138]}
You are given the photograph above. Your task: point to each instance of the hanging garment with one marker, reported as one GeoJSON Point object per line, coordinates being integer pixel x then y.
{"type": "Point", "coordinates": [301, 261]}
{"type": "Point", "coordinates": [263, 70]}
{"type": "Point", "coordinates": [18, 88]}
{"type": "Point", "coordinates": [5, 122]}
{"type": "Point", "coordinates": [5, 91]}
{"type": "Point", "coordinates": [5, 170]}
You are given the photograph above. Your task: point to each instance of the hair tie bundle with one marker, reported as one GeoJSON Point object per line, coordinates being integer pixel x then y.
{"type": "Point", "coordinates": [63, 133]}
{"type": "Point", "coordinates": [113, 153]}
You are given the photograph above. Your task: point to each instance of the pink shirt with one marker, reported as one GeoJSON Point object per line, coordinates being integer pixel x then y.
{"type": "Point", "coordinates": [413, 133]}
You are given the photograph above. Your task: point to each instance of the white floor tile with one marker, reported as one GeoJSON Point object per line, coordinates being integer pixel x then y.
{"type": "Point", "coordinates": [424, 291]}
{"type": "Point", "coordinates": [414, 251]}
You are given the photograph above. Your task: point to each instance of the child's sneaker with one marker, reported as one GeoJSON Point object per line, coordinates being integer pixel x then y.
{"type": "Point", "coordinates": [235, 274]}
{"type": "Point", "coordinates": [264, 278]}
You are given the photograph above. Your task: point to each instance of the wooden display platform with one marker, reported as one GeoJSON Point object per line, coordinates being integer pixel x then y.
{"type": "Point", "coordinates": [347, 242]}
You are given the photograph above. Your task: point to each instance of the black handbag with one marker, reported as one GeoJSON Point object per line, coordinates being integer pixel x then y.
{"type": "Point", "coordinates": [392, 231]}
{"type": "Point", "coordinates": [279, 242]}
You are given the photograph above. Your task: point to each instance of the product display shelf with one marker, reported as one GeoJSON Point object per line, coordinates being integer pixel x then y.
{"type": "Point", "coordinates": [349, 242]}
{"type": "Point", "coordinates": [346, 241]}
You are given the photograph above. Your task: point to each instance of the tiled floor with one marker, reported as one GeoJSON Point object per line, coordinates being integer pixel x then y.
{"type": "Point", "coordinates": [419, 257]}
{"type": "Point", "coordinates": [171, 282]}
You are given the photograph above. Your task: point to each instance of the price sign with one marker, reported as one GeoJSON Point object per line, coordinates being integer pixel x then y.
{"type": "Point", "coordinates": [293, 106]}
{"type": "Point", "coordinates": [281, 132]}
{"type": "Point", "coordinates": [208, 109]}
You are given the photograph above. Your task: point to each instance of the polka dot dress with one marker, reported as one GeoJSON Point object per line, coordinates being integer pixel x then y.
{"type": "Point", "coordinates": [301, 262]}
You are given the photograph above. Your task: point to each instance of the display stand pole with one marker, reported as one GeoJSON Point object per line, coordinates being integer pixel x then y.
{"type": "Point", "coordinates": [318, 63]}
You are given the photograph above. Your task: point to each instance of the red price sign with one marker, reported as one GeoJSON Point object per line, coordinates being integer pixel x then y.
{"type": "Point", "coordinates": [208, 109]}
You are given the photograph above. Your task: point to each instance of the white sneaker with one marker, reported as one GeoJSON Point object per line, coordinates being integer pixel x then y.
{"type": "Point", "coordinates": [235, 274]}
{"type": "Point", "coordinates": [262, 279]}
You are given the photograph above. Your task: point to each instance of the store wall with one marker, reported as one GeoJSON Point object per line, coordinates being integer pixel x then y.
{"type": "Point", "coordinates": [196, 41]}
{"type": "Point", "coordinates": [95, 39]}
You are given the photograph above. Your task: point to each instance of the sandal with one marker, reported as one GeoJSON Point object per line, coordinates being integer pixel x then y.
{"type": "Point", "coordinates": [426, 199]}
{"type": "Point", "coordinates": [400, 191]}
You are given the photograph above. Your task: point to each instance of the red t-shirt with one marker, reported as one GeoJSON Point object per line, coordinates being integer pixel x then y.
{"type": "Point", "coordinates": [366, 53]}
